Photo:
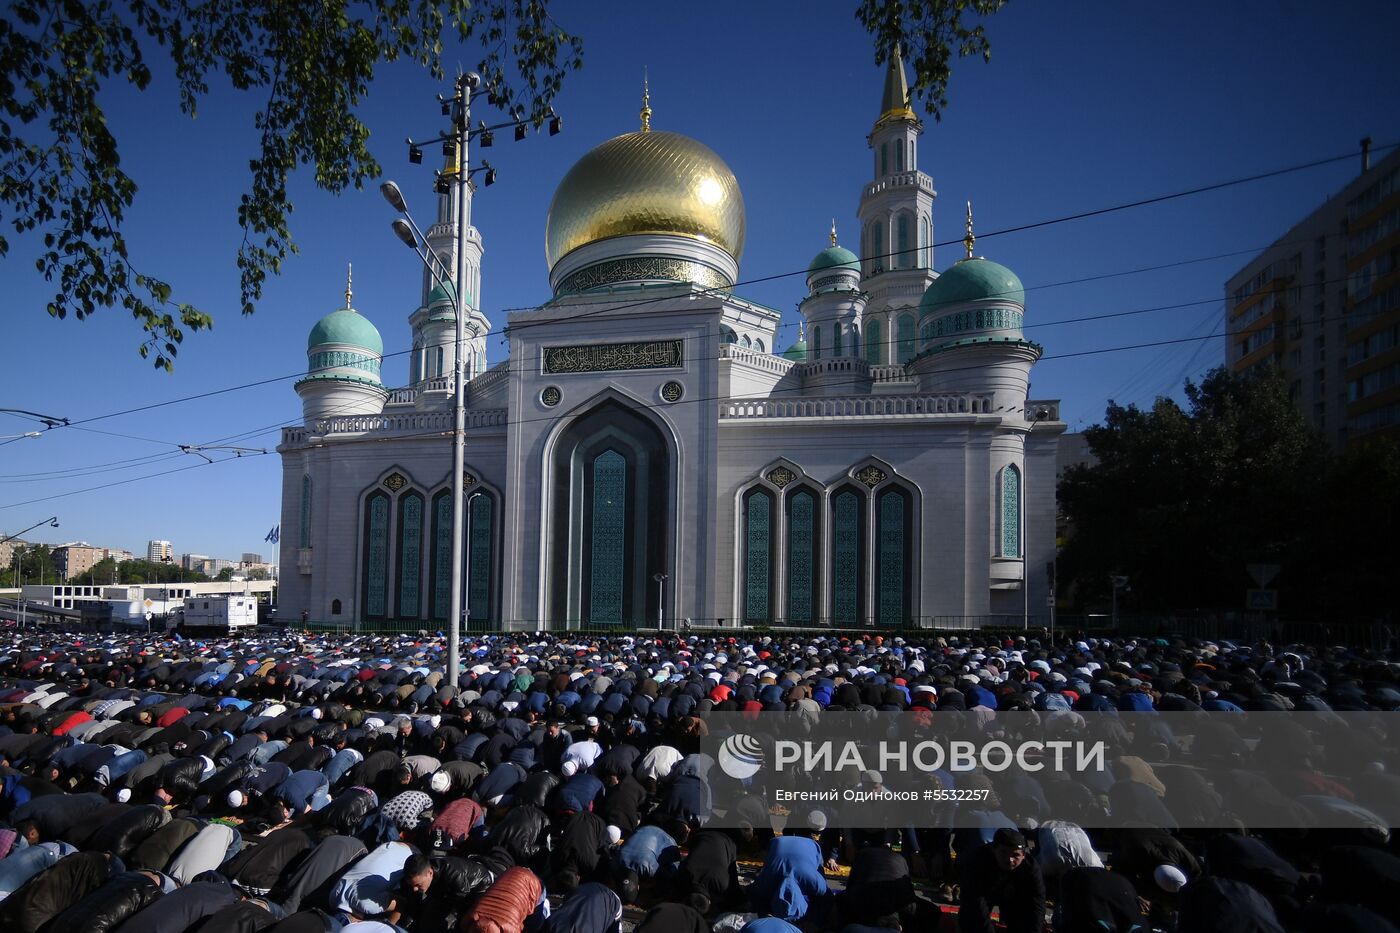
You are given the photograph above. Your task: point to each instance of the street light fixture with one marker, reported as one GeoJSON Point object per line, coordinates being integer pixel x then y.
{"type": "Point", "coordinates": [455, 146]}
{"type": "Point", "coordinates": [660, 578]}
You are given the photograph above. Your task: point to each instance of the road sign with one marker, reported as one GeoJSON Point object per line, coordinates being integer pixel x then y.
{"type": "Point", "coordinates": [1262, 574]}
{"type": "Point", "coordinates": [1261, 600]}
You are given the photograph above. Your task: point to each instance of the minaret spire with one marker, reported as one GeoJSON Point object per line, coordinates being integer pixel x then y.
{"type": "Point", "coordinates": [833, 231]}
{"type": "Point", "coordinates": [646, 102]}
{"type": "Point", "coordinates": [969, 239]}
{"type": "Point", "coordinates": [895, 102]}
{"type": "Point", "coordinates": [349, 293]}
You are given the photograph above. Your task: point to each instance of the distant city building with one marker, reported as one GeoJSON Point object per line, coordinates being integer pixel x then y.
{"type": "Point", "coordinates": [1073, 451]}
{"type": "Point", "coordinates": [7, 551]}
{"type": "Point", "coordinates": [1322, 304]}
{"type": "Point", "coordinates": [194, 562]}
{"type": "Point", "coordinates": [250, 558]}
{"type": "Point", "coordinates": [213, 566]}
{"type": "Point", "coordinates": [119, 555]}
{"type": "Point", "coordinates": [158, 551]}
{"type": "Point", "coordinates": [75, 559]}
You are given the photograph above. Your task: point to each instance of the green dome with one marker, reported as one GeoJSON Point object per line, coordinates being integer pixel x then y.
{"type": "Point", "coordinates": [972, 280]}
{"type": "Point", "coordinates": [797, 352]}
{"type": "Point", "coordinates": [347, 327]}
{"type": "Point", "coordinates": [835, 257]}
{"type": "Point", "coordinates": [445, 292]}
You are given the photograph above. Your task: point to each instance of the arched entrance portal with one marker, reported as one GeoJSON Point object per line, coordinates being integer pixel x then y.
{"type": "Point", "coordinates": [610, 518]}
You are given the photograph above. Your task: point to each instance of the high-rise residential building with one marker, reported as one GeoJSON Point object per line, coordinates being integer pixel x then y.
{"type": "Point", "coordinates": [194, 561]}
{"type": "Point", "coordinates": [1322, 304]}
{"type": "Point", "coordinates": [250, 558]}
{"type": "Point", "coordinates": [158, 551]}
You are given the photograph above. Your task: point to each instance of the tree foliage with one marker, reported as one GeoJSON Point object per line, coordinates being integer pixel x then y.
{"type": "Point", "coordinates": [311, 65]}
{"type": "Point", "coordinates": [1181, 501]}
{"type": "Point", "coordinates": [929, 33]}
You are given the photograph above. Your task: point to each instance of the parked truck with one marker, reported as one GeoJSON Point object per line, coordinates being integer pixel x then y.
{"type": "Point", "coordinates": [220, 613]}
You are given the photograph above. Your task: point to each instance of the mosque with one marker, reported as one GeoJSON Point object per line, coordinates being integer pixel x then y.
{"type": "Point", "coordinates": [647, 455]}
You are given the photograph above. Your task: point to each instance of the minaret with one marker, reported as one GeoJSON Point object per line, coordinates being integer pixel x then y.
{"type": "Point", "coordinates": [896, 223]}
{"type": "Point", "coordinates": [832, 312]}
{"type": "Point", "coordinates": [434, 323]}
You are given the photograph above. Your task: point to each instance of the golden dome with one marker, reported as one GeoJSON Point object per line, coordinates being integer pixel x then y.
{"type": "Point", "coordinates": [647, 182]}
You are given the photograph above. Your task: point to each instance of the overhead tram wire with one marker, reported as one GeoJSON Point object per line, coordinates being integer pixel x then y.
{"type": "Point", "coordinates": [255, 432]}
{"type": "Point", "coordinates": [1082, 215]}
{"type": "Point", "coordinates": [650, 406]}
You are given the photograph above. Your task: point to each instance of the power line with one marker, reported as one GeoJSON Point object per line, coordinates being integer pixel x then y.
{"type": "Point", "coordinates": [1141, 202]}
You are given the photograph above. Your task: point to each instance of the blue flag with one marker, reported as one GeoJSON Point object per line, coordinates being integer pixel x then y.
{"type": "Point", "coordinates": [275, 534]}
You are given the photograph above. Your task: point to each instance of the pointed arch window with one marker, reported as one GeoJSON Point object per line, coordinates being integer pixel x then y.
{"type": "Point", "coordinates": [899, 155]}
{"type": "Point", "coordinates": [375, 563]}
{"type": "Point", "coordinates": [838, 348]}
{"type": "Point", "coordinates": [847, 556]}
{"type": "Point", "coordinates": [305, 537]}
{"type": "Point", "coordinates": [410, 556]}
{"type": "Point", "coordinates": [874, 351]}
{"type": "Point", "coordinates": [439, 362]}
{"type": "Point", "coordinates": [335, 607]}
{"type": "Point", "coordinates": [906, 337]}
{"type": "Point", "coordinates": [903, 259]}
{"type": "Point", "coordinates": [855, 341]}
{"type": "Point", "coordinates": [1010, 512]}
{"type": "Point", "coordinates": [884, 158]}
{"type": "Point", "coordinates": [728, 335]}
{"type": "Point", "coordinates": [759, 555]}
{"type": "Point", "coordinates": [758, 345]}
{"type": "Point", "coordinates": [803, 550]}
{"type": "Point", "coordinates": [746, 342]}
{"type": "Point", "coordinates": [440, 557]}
{"type": "Point", "coordinates": [877, 251]}
{"type": "Point", "coordinates": [893, 564]}
{"type": "Point", "coordinates": [609, 527]}
{"type": "Point", "coordinates": [817, 342]}
{"type": "Point", "coordinates": [481, 509]}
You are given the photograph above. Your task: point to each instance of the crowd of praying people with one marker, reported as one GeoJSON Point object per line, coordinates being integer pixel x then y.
{"type": "Point", "coordinates": [304, 783]}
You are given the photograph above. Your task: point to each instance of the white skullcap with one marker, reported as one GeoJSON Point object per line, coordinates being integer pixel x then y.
{"type": "Point", "coordinates": [440, 782]}
{"type": "Point", "coordinates": [614, 835]}
{"type": "Point", "coordinates": [1169, 878]}
{"type": "Point", "coordinates": [816, 821]}
{"type": "Point", "coordinates": [124, 795]}
{"type": "Point", "coordinates": [591, 722]}
{"type": "Point", "coordinates": [496, 800]}
{"type": "Point", "coordinates": [570, 768]}
{"type": "Point", "coordinates": [435, 720]}
{"type": "Point", "coordinates": [316, 712]}
{"type": "Point", "coordinates": [235, 798]}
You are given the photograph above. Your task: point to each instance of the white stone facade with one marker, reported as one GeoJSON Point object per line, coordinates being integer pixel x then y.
{"type": "Point", "coordinates": [648, 427]}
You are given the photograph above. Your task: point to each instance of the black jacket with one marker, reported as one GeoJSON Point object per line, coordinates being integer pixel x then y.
{"type": "Point", "coordinates": [110, 905]}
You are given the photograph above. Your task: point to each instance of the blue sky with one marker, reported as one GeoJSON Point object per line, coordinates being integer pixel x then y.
{"type": "Point", "coordinates": [1084, 105]}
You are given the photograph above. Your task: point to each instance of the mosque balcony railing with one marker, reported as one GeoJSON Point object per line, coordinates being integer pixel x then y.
{"type": "Point", "coordinates": [765, 361]}
{"type": "Point", "coordinates": [418, 422]}
{"type": "Point", "coordinates": [863, 406]}
{"type": "Point", "coordinates": [892, 373]}
{"type": "Point", "coordinates": [899, 180]}
{"type": "Point", "coordinates": [490, 378]}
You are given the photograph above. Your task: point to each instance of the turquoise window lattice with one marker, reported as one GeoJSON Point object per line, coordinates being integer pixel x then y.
{"type": "Point", "coordinates": [410, 555]}
{"type": "Point", "coordinates": [608, 537]}
{"type": "Point", "coordinates": [758, 555]}
{"type": "Point", "coordinates": [846, 557]}
{"type": "Point", "coordinates": [891, 565]}
{"type": "Point", "coordinates": [442, 555]}
{"type": "Point", "coordinates": [906, 337]}
{"type": "Point", "coordinates": [343, 359]}
{"type": "Point", "coordinates": [802, 556]}
{"type": "Point", "coordinates": [1010, 512]}
{"type": "Point", "coordinates": [305, 536]}
{"type": "Point", "coordinates": [479, 531]}
{"type": "Point", "coordinates": [376, 555]}
{"type": "Point", "coordinates": [874, 347]}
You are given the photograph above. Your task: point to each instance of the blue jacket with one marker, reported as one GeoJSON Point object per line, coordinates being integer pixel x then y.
{"type": "Point", "coordinates": [791, 881]}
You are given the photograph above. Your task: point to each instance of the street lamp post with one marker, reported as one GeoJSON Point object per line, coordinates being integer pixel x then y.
{"type": "Point", "coordinates": [459, 108]}
{"type": "Point", "coordinates": [660, 578]}
{"type": "Point", "coordinates": [52, 522]}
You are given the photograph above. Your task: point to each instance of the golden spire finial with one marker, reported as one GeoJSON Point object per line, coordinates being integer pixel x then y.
{"type": "Point", "coordinates": [833, 231]}
{"type": "Point", "coordinates": [349, 272]}
{"type": "Point", "coordinates": [802, 331]}
{"type": "Point", "coordinates": [969, 240]}
{"type": "Point", "coordinates": [646, 102]}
